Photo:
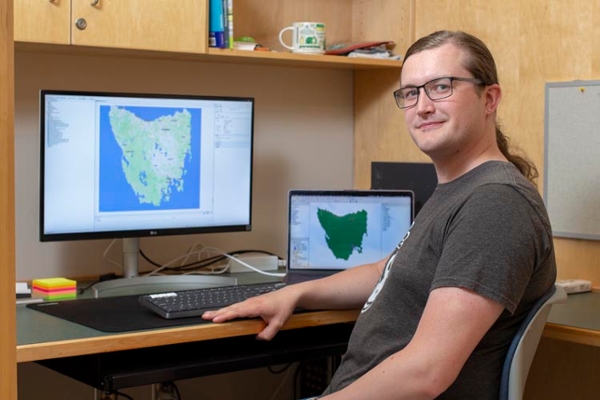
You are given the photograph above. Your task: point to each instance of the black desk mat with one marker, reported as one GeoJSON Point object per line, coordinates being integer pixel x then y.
{"type": "Point", "coordinates": [110, 314]}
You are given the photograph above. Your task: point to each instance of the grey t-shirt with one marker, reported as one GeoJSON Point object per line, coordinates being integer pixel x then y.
{"type": "Point", "coordinates": [486, 231]}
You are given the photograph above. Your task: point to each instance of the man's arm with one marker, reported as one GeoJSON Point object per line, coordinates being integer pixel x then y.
{"type": "Point", "coordinates": [347, 289]}
{"type": "Point", "coordinates": [344, 290]}
{"type": "Point", "coordinates": [453, 323]}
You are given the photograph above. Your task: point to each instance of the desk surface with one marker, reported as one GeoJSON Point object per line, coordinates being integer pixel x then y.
{"type": "Point", "coordinates": [63, 338]}
{"type": "Point", "coordinates": [577, 320]}
{"type": "Point", "coordinates": [41, 336]}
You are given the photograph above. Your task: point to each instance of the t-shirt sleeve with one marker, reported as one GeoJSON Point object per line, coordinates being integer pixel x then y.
{"type": "Point", "coordinates": [490, 246]}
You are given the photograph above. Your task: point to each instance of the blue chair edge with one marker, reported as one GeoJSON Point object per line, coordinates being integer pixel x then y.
{"type": "Point", "coordinates": [504, 382]}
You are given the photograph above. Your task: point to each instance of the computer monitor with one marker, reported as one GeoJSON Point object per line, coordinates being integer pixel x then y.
{"type": "Point", "coordinates": [124, 165]}
{"type": "Point", "coordinates": [421, 178]}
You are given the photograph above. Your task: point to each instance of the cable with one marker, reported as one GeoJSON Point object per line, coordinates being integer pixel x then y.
{"type": "Point", "coordinates": [283, 381]}
{"type": "Point", "coordinates": [296, 383]}
{"type": "Point", "coordinates": [273, 371]}
{"type": "Point", "coordinates": [191, 266]}
{"type": "Point", "coordinates": [206, 262]}
{"type": "Point", "coordinates": [215, 259]}
{"type": "Point", "coordinates": [167, 391]}
{"type": "Point", "coordinates": [119, 394]}
{"type": "Point", "coordinates": [184, 257]}
{"type": "Point", "coordinates": [177, 391]}
{"type": "Point", "coordinates": [101, 278]}
{"type": "Point", "coordinates": [197, 265]}
{"type": "Point", "coordinates": [248, 265]}
{"type": "Point", "coordinates": [105, 255]}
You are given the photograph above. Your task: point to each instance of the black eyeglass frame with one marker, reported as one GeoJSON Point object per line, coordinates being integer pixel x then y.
{"type": "Point", "coordinates": [398, 92]}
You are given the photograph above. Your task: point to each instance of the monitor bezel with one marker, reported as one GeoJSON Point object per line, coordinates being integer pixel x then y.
{"type": "Point", "coordinates": [382, 193]}
{"type": "Point", "coordinates": [124, 234]}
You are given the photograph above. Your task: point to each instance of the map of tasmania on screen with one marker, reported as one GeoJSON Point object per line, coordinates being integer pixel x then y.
{"type": "Point", "coordinates": [344, 234]}
{"type": "Point", "coordinates": [149, 158]}
{"type": "Point", "coordinates": [341, 232]}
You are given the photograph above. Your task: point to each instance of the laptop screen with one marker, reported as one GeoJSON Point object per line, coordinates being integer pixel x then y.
{"type": "Point", "coordinates": [335, 230]}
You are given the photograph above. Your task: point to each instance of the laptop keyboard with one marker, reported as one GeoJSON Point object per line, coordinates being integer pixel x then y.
{"type": "Point", "coordinates": [192, 303]}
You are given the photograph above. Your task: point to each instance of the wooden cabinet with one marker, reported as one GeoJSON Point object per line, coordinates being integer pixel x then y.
{"type": "Point", "coordinates": [42, 21]}
{"type": "Point", "coordinates": [133, 24]}
{"type": "Point", "coordinates": [8, 349]}
{"type": "Point", "coordinates": [161, 26]}
{"type": "Point", "coordinates": [174, 26]}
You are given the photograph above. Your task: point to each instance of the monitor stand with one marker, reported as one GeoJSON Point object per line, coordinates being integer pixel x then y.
{"type": "Point", "coordinates": [132, 283]}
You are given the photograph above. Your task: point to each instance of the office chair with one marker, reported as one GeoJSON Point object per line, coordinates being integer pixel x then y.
{"type": "Point", "coordinates": [524, 345]}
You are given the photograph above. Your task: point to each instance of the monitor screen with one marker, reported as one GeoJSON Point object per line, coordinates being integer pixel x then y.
{"type": "Point", "coordinates": [116, 165]}
{"type": "Point", "coordinates": [337, 230]}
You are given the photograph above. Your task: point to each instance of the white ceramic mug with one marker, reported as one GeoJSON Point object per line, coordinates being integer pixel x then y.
{"type": "Point", "coordinates": [307, 37]}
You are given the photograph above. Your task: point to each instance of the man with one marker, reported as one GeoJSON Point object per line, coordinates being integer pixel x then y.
{"type": "Point", "coordinates": [438, 315]}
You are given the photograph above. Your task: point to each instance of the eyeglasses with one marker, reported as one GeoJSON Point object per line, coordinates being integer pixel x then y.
{"type": "Point", "coordinates": [436, 89]}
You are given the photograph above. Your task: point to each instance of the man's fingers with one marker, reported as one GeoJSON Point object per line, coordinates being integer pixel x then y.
{"type": "Point", "coordinates": [270, 330]}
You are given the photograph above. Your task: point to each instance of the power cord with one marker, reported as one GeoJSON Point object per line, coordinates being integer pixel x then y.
{"type": "Point", "coordinates": [207, 262]}
{"type": "Point", "coordinates": [278, 371]}
{"type": "Point", "coordinates": [283, 381]}
{"type": "Point", "coordinates": [248, 265]}
{"type": "Point", "coordinates": [121, 394]}
{"type": "Point", "coordinates": [192, 267]}
{"type": "Point", "coordinates": [116, 394]}
{"type": "Point", "coordinates": [101, 278]}
{"type": "Point", "coordinates": [166, 391]}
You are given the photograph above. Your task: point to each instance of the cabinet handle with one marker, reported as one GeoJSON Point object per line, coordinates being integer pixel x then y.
{"type": "Point", "coordinates": [81, 24]}
{"type": "Point", "coordinates": [95, 3]}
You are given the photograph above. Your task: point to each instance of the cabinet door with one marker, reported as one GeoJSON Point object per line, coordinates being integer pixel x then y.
{"type": "Point", "coordinates": [42, 21]}
{"type": "Point", "coordinates": [163, 25]}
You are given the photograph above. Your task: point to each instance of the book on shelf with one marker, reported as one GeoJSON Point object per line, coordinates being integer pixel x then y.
{"type": "Point", "coordinates": [225, 26]}
{"type": "Point", "coordinates": [220, 31]}
{"type": "Point", "coordinates": [229, 15]}
{"type": "Point", "coordinates": [216, 24]}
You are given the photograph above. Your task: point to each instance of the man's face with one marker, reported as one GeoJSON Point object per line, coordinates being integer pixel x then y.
{"type": "Point", "coordinates": [451, 127]}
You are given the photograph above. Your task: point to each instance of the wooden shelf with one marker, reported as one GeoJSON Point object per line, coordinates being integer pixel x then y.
{"type": "Point", "coordinates": [304, 60]}
{"type": "Point", "coordinates": [222, 55]}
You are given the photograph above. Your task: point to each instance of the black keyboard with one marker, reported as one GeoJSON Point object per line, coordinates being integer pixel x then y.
{"type": "Point", "coordinates": [192, 303]}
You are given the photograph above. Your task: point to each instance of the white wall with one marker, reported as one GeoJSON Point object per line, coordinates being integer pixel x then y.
{"type": "Point", "coordinates": [303, 139]}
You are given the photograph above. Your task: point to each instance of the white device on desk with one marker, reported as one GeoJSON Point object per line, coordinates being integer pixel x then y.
{"type": "Point", "coordinates": [575, 285]}
{"type": "Point", "coordinates": [23, 292]}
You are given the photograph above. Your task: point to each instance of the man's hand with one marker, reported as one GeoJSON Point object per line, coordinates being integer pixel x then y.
{"type": "Point", "coordinates": [274, 308]}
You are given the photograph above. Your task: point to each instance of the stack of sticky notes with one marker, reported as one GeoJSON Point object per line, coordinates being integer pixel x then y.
{"type": "Point", "coordinates": [54, 288]}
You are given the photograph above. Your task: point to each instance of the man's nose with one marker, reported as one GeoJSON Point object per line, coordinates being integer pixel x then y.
{"type": "Point", "coordinates": [424, 103]}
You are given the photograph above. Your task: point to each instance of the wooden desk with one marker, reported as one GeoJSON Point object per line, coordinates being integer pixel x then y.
{"type": "Point", "coordinates": [111, 361]}
{"type": "Point", "coordinates": [577, 320]}
{"type": "Point", "coordinates": [42, 337]}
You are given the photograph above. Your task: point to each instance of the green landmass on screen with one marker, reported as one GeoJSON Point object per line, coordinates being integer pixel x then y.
{"type": "Point", "coordinates": [343, 234]}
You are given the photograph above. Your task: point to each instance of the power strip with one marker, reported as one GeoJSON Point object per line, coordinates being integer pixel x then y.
{"type": "Point", "coordinates": [258, 261]}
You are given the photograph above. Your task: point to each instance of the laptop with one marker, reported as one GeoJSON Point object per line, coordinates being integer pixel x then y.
{"type": "Point", "coordinates": [333, 230]}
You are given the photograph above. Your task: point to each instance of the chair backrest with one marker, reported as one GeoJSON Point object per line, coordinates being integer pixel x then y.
{"type": "Point", "coordinates": [524, 345]}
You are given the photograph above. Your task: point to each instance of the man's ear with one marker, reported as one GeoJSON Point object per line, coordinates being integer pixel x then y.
{"type": "Point", "coordinates": [493, 95]}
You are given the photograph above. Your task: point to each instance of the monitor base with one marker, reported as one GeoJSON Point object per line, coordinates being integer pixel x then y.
{"type": "Point", "coordinates": [157, 284]}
